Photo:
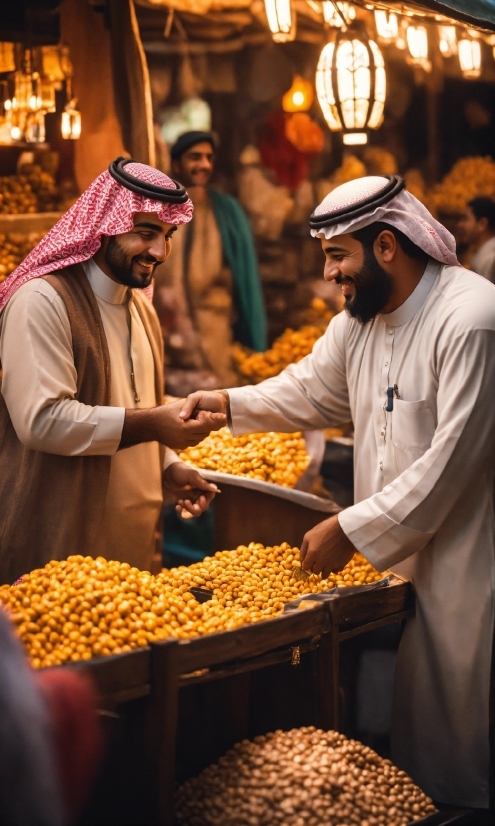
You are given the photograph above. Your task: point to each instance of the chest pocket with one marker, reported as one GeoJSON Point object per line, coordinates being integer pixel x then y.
{"type": "Point", "coordinates": [413, 427]}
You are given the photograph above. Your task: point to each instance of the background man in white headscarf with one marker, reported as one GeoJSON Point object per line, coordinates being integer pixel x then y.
{"type": "Point", "coordinates": [412, 362]}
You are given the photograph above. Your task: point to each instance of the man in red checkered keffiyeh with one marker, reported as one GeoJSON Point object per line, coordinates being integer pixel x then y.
{"type": "Point", "coordinates": [85, 440]}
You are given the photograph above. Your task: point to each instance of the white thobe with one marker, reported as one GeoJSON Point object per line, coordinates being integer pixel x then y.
{"type": "Point", "coordinates": [483, 260]}
{"type": "Point", "coordinates": [423, 491]}
{"type": "Point", "coordinates": [39, 388]}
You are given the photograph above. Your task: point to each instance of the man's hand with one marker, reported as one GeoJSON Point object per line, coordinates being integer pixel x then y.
{"type": "Point", "coordinates": [326, 549]}
{"type": "Point", "coordinates": [163, 424]}
{"type": "Point", "coordinates": [214, 401]}
{"type": "Point", "coordinates": [197, 493]}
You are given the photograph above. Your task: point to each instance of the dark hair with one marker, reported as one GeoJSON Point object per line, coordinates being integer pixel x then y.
{"type": "Point", "coordinates": [484, 208]}
{"type": "Point", "coordinates": [368, 235]}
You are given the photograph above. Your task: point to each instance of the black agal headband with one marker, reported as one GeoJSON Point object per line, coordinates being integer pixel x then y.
{"type": "Point", "coordinates": [394, 184]}
{"type": "Point", "coordinates": [147, 190]}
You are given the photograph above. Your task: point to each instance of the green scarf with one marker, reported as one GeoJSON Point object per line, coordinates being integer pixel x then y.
{"type": "Point", "coordinates": [240, 255]}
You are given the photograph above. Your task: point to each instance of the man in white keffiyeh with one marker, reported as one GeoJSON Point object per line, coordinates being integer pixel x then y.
{"type": "Point", "coordinates": [412, 363]}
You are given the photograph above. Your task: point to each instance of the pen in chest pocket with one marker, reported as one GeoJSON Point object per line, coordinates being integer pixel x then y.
{"type": "Point", "coordinates": [391, 391]}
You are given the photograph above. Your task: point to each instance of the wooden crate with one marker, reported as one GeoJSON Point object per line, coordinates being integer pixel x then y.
{"type": "Point", "coordinates": [460, 817]}
{"type": "Point", "coordinates": [179, 663]}
{"type": "Point", "coordinates": [159, 672]}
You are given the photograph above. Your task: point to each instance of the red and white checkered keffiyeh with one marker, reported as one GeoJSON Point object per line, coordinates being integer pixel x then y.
{"type": "Point", "coordinates": [105, 208]}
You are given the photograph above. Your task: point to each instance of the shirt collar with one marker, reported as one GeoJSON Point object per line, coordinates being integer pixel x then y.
{"type": "Point", "coordinates": [411, 305]}
{"type": "Point", "coordinates": [104, 287]}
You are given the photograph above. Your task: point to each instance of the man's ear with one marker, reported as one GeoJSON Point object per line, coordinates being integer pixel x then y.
{"type": "Point", "coordinates": [483, 224]}
{"type": "Point", "coordinates": [175, 166]}
{"type": "Point", "coordinates": [386, 246]}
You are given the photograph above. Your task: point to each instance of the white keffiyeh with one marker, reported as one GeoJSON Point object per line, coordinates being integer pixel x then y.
{"type": "Point", "coordinates": [404, 212]}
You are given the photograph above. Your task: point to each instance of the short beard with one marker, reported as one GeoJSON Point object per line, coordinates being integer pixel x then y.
{"type": "Point", "coordinates": [373, 288]}
{"type": "Point", "coordinates": [121, 265]}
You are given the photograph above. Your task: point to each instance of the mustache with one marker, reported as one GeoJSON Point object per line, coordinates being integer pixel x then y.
{"type": "Point", "coordinates": [344, 279]}
{"type": "Point", "coordinates": [147, 259]}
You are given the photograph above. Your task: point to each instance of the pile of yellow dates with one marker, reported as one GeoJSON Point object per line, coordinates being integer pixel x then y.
{"type": "Point", "coordinates": [289, 348]}
{"type": "Point", "coordinates": [83, 607]}
{"type": "Point", "coordinates": [280, 458]}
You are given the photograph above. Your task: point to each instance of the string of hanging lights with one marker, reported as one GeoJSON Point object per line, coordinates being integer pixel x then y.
{"type": "Point", "coordinates": [29, 93]}
{"type": "Point", "coordinates": [350, 76]}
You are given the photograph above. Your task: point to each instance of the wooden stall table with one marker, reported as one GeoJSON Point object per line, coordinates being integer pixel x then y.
{"type": "Point", "coordinates": [159, 672]}
{"type": "Point", "coordinates": [179, 663]}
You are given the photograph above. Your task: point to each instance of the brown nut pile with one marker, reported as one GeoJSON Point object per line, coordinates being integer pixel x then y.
{"type": "Point", "coordinates": [303, 777]}
{"type": "Point", "coordinates": [14, 246]}
{"type": "Point", "coordinates": [287, 349]}
{"type": "Point", "coordinates": [33, 190]}
{"type": "Point", "coordinates": [82, 607]}
{"type": "Point", "coordinates": [280, 458]}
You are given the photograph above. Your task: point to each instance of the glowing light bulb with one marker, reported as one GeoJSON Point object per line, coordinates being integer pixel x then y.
{"type": "Point", "coordinates": [15, 133]}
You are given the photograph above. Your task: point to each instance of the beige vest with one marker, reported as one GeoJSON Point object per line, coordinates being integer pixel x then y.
{"type": "Point", "coordinates": [52, 506]}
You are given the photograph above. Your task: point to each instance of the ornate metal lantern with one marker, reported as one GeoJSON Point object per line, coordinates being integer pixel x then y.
{"type": "Point", "coordinates": [351, 84]}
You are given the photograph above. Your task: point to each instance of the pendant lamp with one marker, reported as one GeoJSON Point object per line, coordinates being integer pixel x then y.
{"type": "Point", "coordinates": [447, 40]}
{"type": "Point", "coordinates": [417, 43]}
{"type": "Point", "coordinates": [470, 57]}
{"type": "Point", "coordinates": [281, 20]}
{"type": "Point", "coordinates": [351, 84]}
{"type": "Point", "coordinates": [387, 25]}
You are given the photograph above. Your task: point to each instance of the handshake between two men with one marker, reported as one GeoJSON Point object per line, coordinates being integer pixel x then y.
{"type": "Point", "coordinates": [168, 425]}
{"type": "Point", "coordinates": [325, 548]}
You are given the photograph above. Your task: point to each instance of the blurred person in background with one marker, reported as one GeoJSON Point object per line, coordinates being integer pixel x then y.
{"type": "Point", "coordinates": [50, 741]}
{"type": "Point", "coordinates": [208, 293]}
{"type": "Point", "coordinates": [476, 228]}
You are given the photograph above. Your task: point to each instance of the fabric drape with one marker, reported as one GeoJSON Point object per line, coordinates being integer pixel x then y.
{"type": "Point", "coordinates": [240, 255]}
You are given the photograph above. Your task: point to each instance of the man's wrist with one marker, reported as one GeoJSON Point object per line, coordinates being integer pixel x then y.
{"type": "Point", "coordinates": [141, 425]}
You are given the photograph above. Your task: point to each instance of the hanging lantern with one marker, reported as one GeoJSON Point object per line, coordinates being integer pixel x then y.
{"type": "Point", "coordinates": [335, 14]}
{"type": "Point", "coordinates": [351, 84]}
{"type": "Point", "coordinates": [299, 98]}
{"type": "Point", "coordinates": [470, 57]}
{"type": "Point", "coordinates": [71, 122]}
{"type": "Point", "coordinates": [34, 130]}
{"type": "Point", "coordinates": [417, 43]}
{"type": "Point", "coordinates": [387, 26]}
{"type": "Point", "coordinates": [447, 40]}
{"type": "Point", "coordinates": [281, 20]}
{"type": "Point", "coordinates": [46, 91]}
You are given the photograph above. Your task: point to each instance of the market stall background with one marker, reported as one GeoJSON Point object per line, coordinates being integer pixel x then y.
{"type": "Point", "coordinates": [129, 76]}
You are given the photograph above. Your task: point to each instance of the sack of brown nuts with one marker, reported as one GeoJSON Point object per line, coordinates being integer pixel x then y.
{"type": "Point", "coordinates": [303, 777]}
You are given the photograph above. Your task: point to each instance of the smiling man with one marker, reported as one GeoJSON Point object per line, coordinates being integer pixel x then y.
{"type": "Point", "coordinates": [85, 439]}
{"type": "Point", "coordinates": [209, 291]}
{"type": "Point", "coordinates": [412, 363]}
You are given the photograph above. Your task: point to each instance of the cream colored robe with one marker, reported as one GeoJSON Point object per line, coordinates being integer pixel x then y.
{"type": "Point", "coordinates": [39, 386]}
{"type": "Point", "coordinates": [424, 500]}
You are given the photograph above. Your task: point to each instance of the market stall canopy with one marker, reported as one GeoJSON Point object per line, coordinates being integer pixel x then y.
{"type": "Point", "coordinates": [479, 13]}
